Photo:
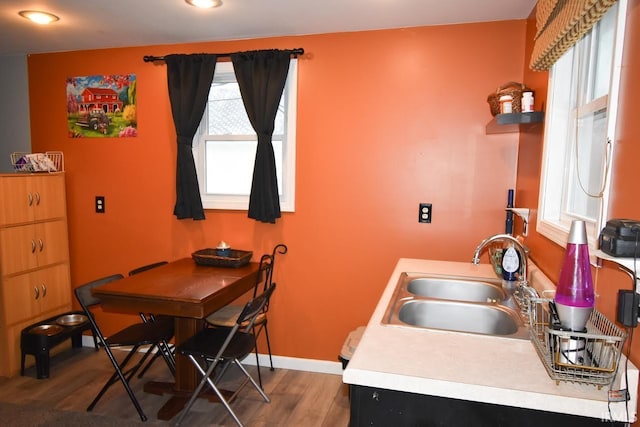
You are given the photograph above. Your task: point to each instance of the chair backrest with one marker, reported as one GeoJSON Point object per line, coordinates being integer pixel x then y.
{"type": "Point", "coordinates": [87, 300]}
{"type": "Point", "coordinates": [265, 270]}
{"type": "Point", "coordinates": [278, 249]}
{"type": "Point", "coordinates": [254, 307]}
{"type": "Point", "coordinates": [147, 267]}
{"type": "Point", "coordinates": [264, 273]}
{"type": "Point", "coordinates": [84, 295]}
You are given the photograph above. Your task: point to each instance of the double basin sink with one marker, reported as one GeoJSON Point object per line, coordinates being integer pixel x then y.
{"type": "Point", "coordinates": [451, 303]}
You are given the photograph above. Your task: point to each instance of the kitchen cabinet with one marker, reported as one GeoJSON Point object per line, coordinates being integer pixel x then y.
{"type": "Point", "coordinates": [32, 197]}
{"type": "Point", "coordinates": [34, 257]}
{"type": "Point", "coordinates": [34, 245]}
{"type": "Point", "coordinates": [28, 295]}
{"type": "Point", "coordinates": [376, 406]}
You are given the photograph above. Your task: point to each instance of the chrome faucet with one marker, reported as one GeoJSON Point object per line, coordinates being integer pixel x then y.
{"type": "Point", "coordinates": [523, 251]}
{"type": "Point", "coordinates": [524, 289]}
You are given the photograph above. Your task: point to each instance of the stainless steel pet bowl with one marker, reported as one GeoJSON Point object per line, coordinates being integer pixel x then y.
{"type": "Point", "coordinates": [71, 319]}
{"type": "Point", "coordinates": [47, 330]}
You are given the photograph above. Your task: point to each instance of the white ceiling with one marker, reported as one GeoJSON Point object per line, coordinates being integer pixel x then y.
{"type": "Point", "coordinates": [95, 24]}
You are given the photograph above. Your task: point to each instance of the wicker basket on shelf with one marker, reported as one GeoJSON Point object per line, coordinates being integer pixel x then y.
{"type": "Point", "coordinates": [513, 89]}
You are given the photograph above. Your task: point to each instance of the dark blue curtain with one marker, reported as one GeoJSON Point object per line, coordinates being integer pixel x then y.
{"type": "Point", "coordinates": [189, 78]}
{"type": "Point", "coordinates": [261, 76]}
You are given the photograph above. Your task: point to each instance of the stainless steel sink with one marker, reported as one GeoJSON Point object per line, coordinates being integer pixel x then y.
{"type": "Point", "coordinates": [456, 289]}
{"type": "Point", "coordinates": [460, 316]}
{"type": "Point", "coordinates": [452, 303]}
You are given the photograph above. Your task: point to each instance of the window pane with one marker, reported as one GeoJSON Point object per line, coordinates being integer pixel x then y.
{"type": "Point", "coordinates": [278, 128]}
{"type": "Point", "coordinates": [588, 167]}
{"type": "Point", "coordinates": [229, 166]}
{"type": "Point", "coordinates": [227, 115]}
{"type": "Point", "coordinates": [604, 55]}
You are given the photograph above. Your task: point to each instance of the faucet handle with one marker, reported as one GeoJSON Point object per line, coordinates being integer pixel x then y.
{"type": "Point", "coordinates": [523, 296]}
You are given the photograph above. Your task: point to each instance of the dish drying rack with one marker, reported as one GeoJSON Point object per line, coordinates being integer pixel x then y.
{"type": "Point", "coordinates": [50, 161]}
{"type": "Point", "coordinates": [590, 357]}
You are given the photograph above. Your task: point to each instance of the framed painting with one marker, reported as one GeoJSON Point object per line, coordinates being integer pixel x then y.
{"type": "Point", "coordinates": [102, 106]}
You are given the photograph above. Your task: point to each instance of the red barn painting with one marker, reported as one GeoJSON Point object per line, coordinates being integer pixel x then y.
{"type": "Point", "coordinates": [102, 106]}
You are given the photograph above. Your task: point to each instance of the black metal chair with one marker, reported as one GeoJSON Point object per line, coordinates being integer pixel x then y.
{"type": "Point", "coordinates": [134, 336]}
{"type": "Point", "coordinates": [227, 315]}
{"type": "Point", "coordinates": [215, 349]}
{"type": "Point", "coordinates": [167, 322]}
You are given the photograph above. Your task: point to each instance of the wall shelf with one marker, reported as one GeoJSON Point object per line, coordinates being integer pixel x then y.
{"type": "Point", "coordinates": [627, 263]}
{"type": "Point", "coordinates": [514, 122]}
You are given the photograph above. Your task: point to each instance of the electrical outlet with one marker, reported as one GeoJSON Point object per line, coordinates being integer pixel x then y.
{"type": "Point", "coordinates": [424, 212]}
{"type": "Point", "coordinates": [99, 204]}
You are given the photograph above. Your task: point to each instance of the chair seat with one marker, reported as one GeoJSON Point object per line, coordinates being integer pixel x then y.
{"type": "Point", "coordinates": [228, 315]}
{"type": "Point", "coordinates": [208, 342]}
{"type": "Point", "coordinates": [139, 334]}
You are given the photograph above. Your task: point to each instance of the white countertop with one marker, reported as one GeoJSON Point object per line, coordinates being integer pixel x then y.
{"type": "Point", "coordinates": [480, 368]}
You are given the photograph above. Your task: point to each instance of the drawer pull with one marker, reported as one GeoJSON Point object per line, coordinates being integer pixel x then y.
{"type": "Point", "coordinates": [44, 290]}
{"type": "Point", "coordinates": [37, 291]}
{"type": "Point", "coordinates": [41, 244]}
{"type": "Point", "coordinates": [37, 198]}
{"type": "Point", "coordinates": [30, 199]}
{"type": "Point", "coordinates": [33, 247]}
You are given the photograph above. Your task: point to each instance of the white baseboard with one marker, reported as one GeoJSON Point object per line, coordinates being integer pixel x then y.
{"type": "Point", "coordinates": [297, 364]}
{"type": "Point", "coordinates": [282, 362]}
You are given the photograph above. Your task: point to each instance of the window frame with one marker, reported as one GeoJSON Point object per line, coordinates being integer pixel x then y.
{"type": "Point", "coordinates": [287, 185]}
{"type": "Point", "coordinates": [551, 221]}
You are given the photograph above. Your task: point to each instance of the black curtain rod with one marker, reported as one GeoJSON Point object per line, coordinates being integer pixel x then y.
{"type": "Point", "coordinates": [295, 52]}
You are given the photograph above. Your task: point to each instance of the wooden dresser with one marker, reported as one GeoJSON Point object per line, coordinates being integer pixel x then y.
{"type": "Point", "coordinates": [34, 257]}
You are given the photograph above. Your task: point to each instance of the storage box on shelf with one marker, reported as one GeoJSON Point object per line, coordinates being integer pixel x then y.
{"type": "Point", "coordinates": [34, 257]}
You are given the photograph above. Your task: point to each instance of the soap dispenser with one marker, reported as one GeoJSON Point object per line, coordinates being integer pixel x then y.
{"type": "Point", "coordinates": [575, 297]}
{"type": "Point", "coordinates": [510, 268]}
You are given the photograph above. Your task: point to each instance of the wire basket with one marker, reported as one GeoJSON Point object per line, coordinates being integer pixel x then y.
{"type": "Point", "coordinates": [591, 357]}
{"type": "Point", "coordinates": [50, 161]}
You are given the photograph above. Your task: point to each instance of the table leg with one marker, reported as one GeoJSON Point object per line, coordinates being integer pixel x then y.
{"type": "Point", "coordinates": [186, 378]}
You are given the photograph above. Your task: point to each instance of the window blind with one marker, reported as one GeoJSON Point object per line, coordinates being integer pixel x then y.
{"type": "Point", "coordinates": [560, 24]}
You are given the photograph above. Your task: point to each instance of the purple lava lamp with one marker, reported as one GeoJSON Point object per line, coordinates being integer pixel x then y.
{"type": "Point", "coordinates": [575, 297]}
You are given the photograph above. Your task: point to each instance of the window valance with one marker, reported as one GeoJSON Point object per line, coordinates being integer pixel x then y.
{"type": "Point", "coordinates": [560, 24]}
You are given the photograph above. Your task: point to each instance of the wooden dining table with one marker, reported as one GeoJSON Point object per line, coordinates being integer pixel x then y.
{"type": "Point", "coordinates": [187, 291]}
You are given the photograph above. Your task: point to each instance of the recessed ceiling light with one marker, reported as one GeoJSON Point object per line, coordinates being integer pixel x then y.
{"type": "Point", "coordinates": [204, 4]}
{"type": "Point", "coordinates": [38, 17]}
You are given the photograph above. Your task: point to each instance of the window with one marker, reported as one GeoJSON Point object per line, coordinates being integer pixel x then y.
{"type": "Point", "coordinates": [579, 133]}
{"type": "Point", "coordinates": [224, 148]}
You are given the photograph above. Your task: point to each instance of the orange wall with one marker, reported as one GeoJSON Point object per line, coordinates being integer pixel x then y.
{"type": "Point", "coordinates": [386, 119]}
{"type": "Point", "coordinates": [624, 204]}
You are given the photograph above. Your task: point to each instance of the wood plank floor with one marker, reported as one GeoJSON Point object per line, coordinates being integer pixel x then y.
{"type": "Point", "coordinates": [298, 398]}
